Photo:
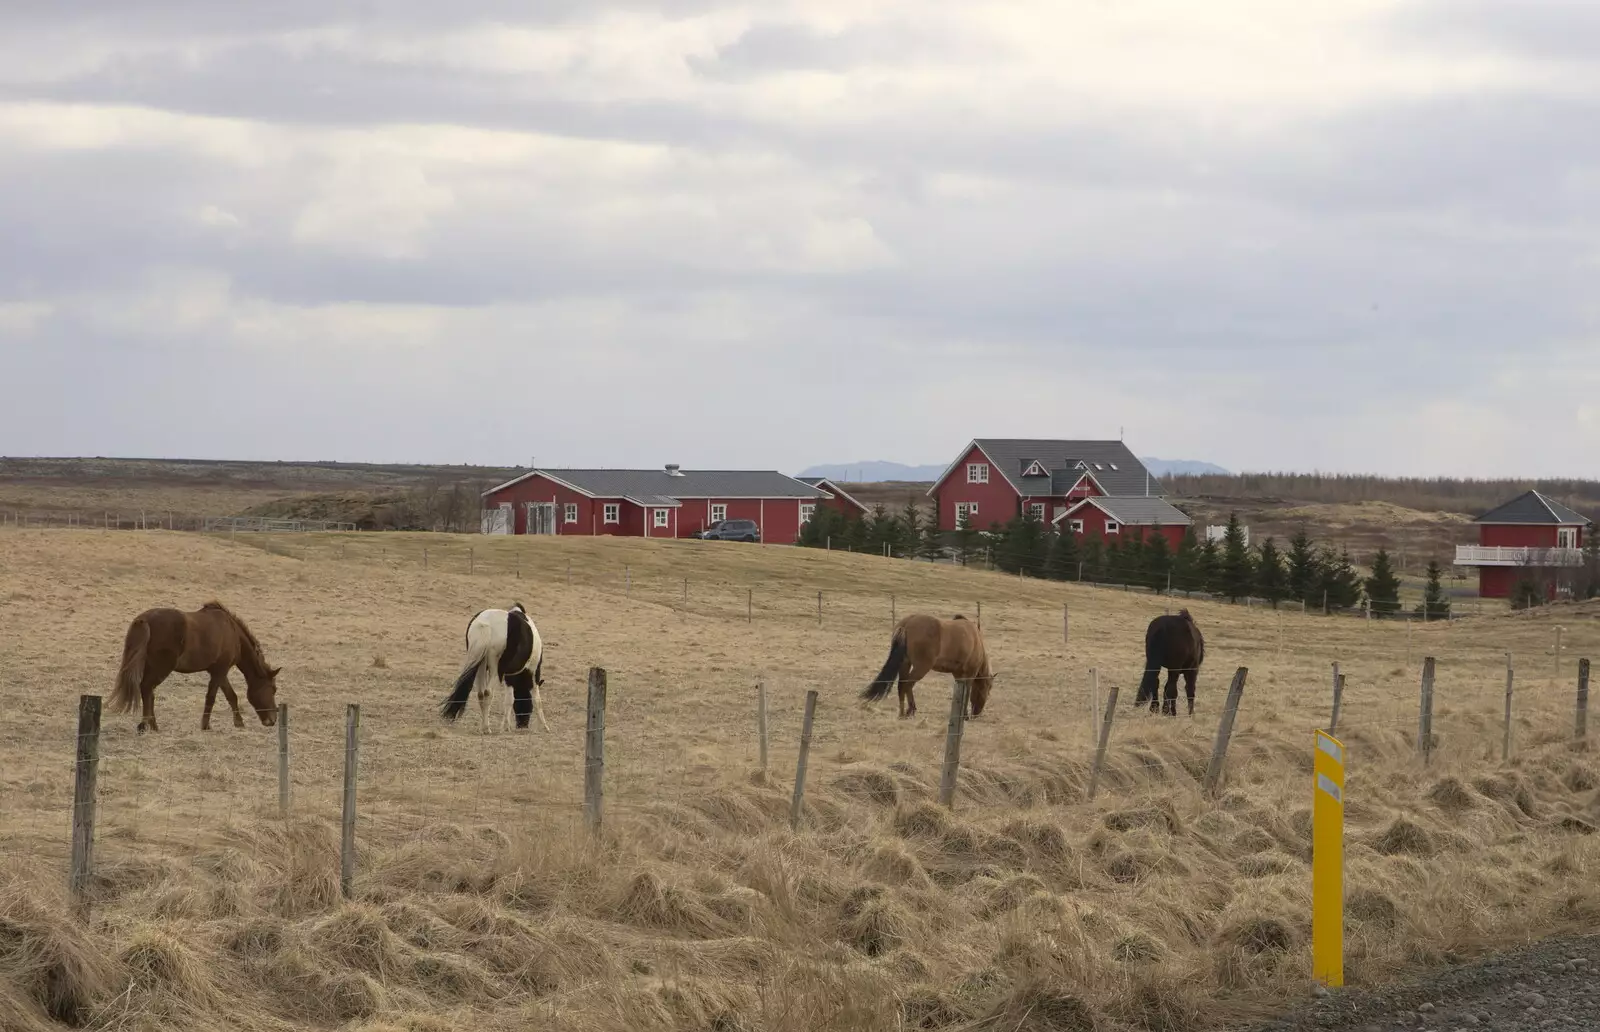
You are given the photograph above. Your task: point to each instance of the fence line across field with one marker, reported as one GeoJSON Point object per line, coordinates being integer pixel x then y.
{"type": "Point", "coordinates": [283, 754]}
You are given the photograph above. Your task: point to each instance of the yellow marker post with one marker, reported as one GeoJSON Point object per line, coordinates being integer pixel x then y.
{"type": "Point", "coordinates": [1327, 862]}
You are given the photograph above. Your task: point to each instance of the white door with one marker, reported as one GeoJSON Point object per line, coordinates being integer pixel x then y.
{"type": "Point", "coordinates": [541, 517]}
{"type": "Point", "coordinates": [1566, 537]}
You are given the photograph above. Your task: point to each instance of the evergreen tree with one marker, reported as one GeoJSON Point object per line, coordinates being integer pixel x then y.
{"type": "Point", "coordinates": [933, 546]}
{"type": "Point", "coordinates": [1209, 568]}
{"type": "Point", "coordinates": [1272, 580]}
{"type": "Point", "coordinates": [1111, 571]}
{"type": "Point", "coordinates": [1237, 575]}
{"type": "Point", "coordinates": [966, 539]}
{"type": "Point", "coordinates": [880, 529]}
{"type": "Point", "coordinates": [1304, 573]}
{"type": "Point", "coordinates": [857, 537]}
{"type": "Point", "coordinates": [1062, 563]}
{"type": "Point", "coordinates": [1435, 606]}
{"type": "Point", "coordinates": [1383, 587]}
{"type": "Point", "coordinates": [1157, 560]}
{"type": "Point", "coordinates": [1186, 574]}
{"type": "Point", "coordinates": [1131, 558]}
{"type": "Point", "coordinates": [826, 524]}
{"type": "Point", "coordinates": [1021, 545]}
{"type": "Point", "coordinates": [1094, 558]}
{"type": "Point", "coordinates": [909, 533]}
{"type": "Point", "coordinates": [1339, 583]}
{"type": "Point", "coordinates": [1527, 592]}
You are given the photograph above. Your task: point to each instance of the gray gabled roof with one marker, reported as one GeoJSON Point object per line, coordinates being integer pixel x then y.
{"type": "Point", "coordinates": [1118, 471]}
{"type": "Point", "coordinates": [832, 488]}
{"type": "Point", "coordinates": [1534, 507]}
{"type": "Point", "coordinates": [658, 487]}
{"type": "Point", "coordinates": [1135, 512]}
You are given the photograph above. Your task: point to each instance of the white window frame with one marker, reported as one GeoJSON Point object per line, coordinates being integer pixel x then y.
{"type": "Point", "coordinates": [977, 472]}
{"type": "Point", "coordinates": [612, 513]}
{"type": "Point", "coordinates": [570, 512]}
{"type": "Point", "coordinates": [969, 509]}
{"type": "Point", "coordinates": [1113, 527]}
{"type": "Point", "coordinates": [719, 513]}
{"type": "Point", "coordinates": [1038, 510]}
{"type": "Point", "coordinates": [1075, 526]}
{"type": "Point", "coordinates": [659, 518]}
{"type": "Point", "coordinates": [1566, 537]}
{"type": "Point", "coordinates": [807, 510]}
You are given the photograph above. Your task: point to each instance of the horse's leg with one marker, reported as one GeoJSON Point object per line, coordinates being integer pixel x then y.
{"type": "Point", "coordinates": [1188, 687]}
{"type": "Point", "coordinates": [908, 688]}
{"type": "Point", "coordinates": [233, 699]}
{"type": "Point", "coordinates": [538, 706]}
{"type": "Point", "coordinates": [153, 675]}
{"type": "Point", "coordinates": [1169, 704]}
{"type": "Point", "coordinates": [211, 700]}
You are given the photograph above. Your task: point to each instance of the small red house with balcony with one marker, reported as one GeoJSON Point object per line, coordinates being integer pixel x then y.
{"type": "Point", "coordinates": [837, 498]}
{"type": "Point", "coordinates": [1529, 536]}
{"type": "Point", "coordinates": [993, 479]}
{"type": "Point", "coordinates": [662, 503]}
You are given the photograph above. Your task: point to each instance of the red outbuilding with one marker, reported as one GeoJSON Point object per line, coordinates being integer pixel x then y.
{"type": "Point", "coordinates": [665, 503]}
{"type": "Point", "coordinates": [1529, 536]}
{"type": "Point", "coordinates": [994, 478]}
{"type": "Point", "coordinates": [836, 498]}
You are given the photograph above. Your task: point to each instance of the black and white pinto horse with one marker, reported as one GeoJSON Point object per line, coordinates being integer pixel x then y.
{"type": "Point", "coordinates": [504, 644]}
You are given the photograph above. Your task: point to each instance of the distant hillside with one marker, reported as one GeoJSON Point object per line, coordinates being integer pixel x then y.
{"type": "Point", "coordinates": [873, 471]}
{"type": "Point", "coordinates": [877, 471]}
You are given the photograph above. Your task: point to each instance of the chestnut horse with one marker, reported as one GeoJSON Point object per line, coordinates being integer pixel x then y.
{"type": "Point", "coordinates": [163, 641]}
{"type": "Point", "coordinates": [1173, 642]}
{"type": "Point", "coordinates": [922, 643]}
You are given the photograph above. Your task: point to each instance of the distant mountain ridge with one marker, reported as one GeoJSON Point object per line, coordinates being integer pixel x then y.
{"type": "Point", "coordinates": [873, 471]}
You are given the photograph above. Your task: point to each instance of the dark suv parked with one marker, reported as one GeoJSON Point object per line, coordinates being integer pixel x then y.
{"type": "Point", "coordinates": [732, 530]}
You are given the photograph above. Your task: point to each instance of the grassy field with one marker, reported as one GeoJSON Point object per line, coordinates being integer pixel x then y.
{"type": "Point", "coordinates": [480, 903]}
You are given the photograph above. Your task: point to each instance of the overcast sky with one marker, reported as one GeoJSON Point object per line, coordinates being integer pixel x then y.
{"type": "Point", "coordinates": [1335, 234]}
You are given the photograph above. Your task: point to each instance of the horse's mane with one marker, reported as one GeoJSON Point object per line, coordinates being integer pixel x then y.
{"type": "Point", "coordinates": [244, 629]}
{"type": "Point", "coordinates": [1185, 614]}
{"type": "Point", "coordinates": [958, 616]}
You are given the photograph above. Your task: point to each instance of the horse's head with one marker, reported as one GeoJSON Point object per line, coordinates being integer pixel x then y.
{"type": "Point", "coordinates": [261, 691]}
{"type": "Point", "coordinates": [980, 688]}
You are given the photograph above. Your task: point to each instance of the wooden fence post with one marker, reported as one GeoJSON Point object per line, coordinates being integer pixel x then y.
{"type": "Point", "coordinates": [893, 612]}
{"type": "Point", "coordinates": [952, 742]}
{"type": "Point", "coordinates": [594, 751]}
{"type": "Point", "coordinates": [1065, 625]}
{"type": "Point", "coordinates": [749, 605]}
{"type": "Point", "coordinates": [86, 777]}
{"type": "Point", "coordinates": [1425, 715]}
{"type": "Point", "coordinates": [1582, 729]}
{"type": "Point", "coordinates": [797, 804]}
{"type": "Point", "coordinates": [980, 615]}
{"type": "Point", "coordinates": [761, 723]}
{"type": "Point", "coordinates": [627, 581]}
{"type": "Point", "coordinates": [1558, 652]}
{"type": "Point", "coordinates": [424, 558]}
{"type": "Point", "coordinates": [1094, 703]}
{"type": "Point", "coordinates": [347, 839]}
{"type": "Point", "coordinates": [1505, 742]}
{"type": "Point", "coordinates": [1219, 749]}
{"type": "Point", "coordinates": [472, 561]}
{"type": "Point", "coordinates": [819, 609]}
{"type": "Point", "coordinates": [1105, 739]}
{"type": "Point", "coordinates": [1338, 700]}
{"type": "Point", "coordinates": [283, 759]}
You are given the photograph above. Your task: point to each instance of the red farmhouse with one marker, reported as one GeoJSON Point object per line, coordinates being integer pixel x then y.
{"type": "Point", "coordinates": [1529, 535]}
{"type": "Point", "coordinates": [1091, 488]}
{"type": "Point", "coordinates": [836, 496]}
{"type": "Point", "coordinates": [665, 503]}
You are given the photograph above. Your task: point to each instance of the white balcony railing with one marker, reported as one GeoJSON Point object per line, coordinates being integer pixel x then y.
{"type": "Point", "coordinates": [1499, 555]}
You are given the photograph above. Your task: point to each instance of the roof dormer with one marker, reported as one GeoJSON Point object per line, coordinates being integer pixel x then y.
{"type": "Point", "coordinates": [1035, 469]}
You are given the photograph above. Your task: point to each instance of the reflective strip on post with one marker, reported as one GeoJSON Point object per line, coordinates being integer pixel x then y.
{"type": "Point", "coordinates": [1327, 862]}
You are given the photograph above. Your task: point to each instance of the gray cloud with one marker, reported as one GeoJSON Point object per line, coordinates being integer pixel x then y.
{"type": "Point", "coordinates": [719, 244]}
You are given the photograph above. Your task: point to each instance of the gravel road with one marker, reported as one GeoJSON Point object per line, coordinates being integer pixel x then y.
{"type": "Point", "coordinates": [1550, 985]}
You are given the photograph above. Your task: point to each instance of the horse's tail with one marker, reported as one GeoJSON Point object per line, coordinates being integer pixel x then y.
{"type": "Point", "coordinates": [1149, 682]}
{"type": "Point", "coordinates": [131, 673]}
{"type": "Point", "coordinates": [477, 656]}
{"type": "Point", "coordinates": [891, 668]}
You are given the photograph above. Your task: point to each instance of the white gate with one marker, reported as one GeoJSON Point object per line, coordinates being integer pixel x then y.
{"type": "Point", "coordinates": [497, 520]}
{"type": "Point", "coordinates": [541, 517]}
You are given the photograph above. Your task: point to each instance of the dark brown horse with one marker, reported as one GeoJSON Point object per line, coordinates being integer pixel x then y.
{"type": "Point", "coordinates": [163, 641]}
{"type": "Point", "coordinates": [922, 643]}
{"type": "Point", "coordinates": [1173, 642]}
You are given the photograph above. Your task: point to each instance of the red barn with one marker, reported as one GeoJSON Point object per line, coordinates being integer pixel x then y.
{"type": "Point", "coordinates": [1119, 518]}
{"type": "Point", "coordinates": [666, 503]}
{"type": "Point", "coordinates": [1531, 535]}
{"type": "Point", "coordinates": [836, 497]}
{"type": "Point", "coordinates": [993, 478]}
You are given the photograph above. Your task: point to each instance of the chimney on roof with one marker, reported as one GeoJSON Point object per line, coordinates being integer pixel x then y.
{"type": "Point", "coordinates": [673, 471]}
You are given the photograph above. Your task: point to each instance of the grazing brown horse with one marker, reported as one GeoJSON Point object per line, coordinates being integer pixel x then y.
{"type": "Point", "coordinates": [1173, 642]}
{"type": "Point", "coordinates": [922, 643]}
{"type": "Point", "coordinates": [163, 641]}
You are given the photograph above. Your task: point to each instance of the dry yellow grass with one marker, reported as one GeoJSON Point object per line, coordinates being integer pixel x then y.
{"type": "Point", "coordinates": [481, 904]}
